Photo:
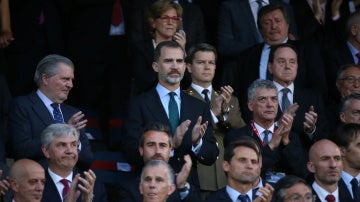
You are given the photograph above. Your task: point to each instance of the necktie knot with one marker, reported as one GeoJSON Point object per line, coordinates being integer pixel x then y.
{"type": "Point", "coordinates": [355, 189]}
{"type": "Point", "coordinates": [244, 198]}
{"type": "Point", "coordinates": [285, 102]}
{"type": "Point", "coordinates": [330, 198]}
{"type": "Point", "coordinates": [266, 136]}
{"type": "Point", "coordinates": [206, 97]}
{"type": "Point", "coordinates": [57, 113]}
{"type": "Point", "coordinates": [66, 187]}
{"type": "Point", "coordinates": [173, 112]}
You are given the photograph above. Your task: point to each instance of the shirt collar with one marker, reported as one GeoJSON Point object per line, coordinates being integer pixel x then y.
{"type": "Point", "coordinates": [162, 91]}
{"type": "Point", "coordinates": [322, 193]}
{"type": "Point", "coordinates": [199, 89]}
{"type": "Point", "coordinates": [280, 87]}
{"type": "Point", "coordinates": [261, 129]}
{"type": "Point", "coordinates": [233, 194]}
{"type": "Point", "coordinates": [56, 178]}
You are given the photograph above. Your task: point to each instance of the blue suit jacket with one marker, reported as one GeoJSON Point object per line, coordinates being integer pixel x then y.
{"type": "Point", "coordinates": [146, 108]}
{"type": "Point", "coordinates": [28, 118]}
{"type": "Point", "coordinates": [51, 194]}
{"type": "Point", "coordinates": [344, 195]}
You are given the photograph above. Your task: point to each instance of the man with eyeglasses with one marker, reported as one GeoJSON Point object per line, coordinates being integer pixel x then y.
{"type": "Point", "coordinates": [292, 189]}
{"type": "Point", "coordinates": [350, 109]}
{"type": "Point", "coordinates": [347, 82]}
{"type": "Point", "coordinates": [281, 149]}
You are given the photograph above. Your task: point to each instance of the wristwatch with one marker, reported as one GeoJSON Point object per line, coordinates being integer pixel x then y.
{"type": "Point", "coordinates": [184, 189]}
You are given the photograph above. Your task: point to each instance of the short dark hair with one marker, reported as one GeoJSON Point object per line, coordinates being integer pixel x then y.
{"type": "Point", "coordinates": [345, 134]}
{"type": "Point", "coordinates": [243, 141]}
{"type": "Point", "coordinates": [345, 101]}
{"type": "Point", "coordinates": [204, 47]}
{"type": "Point", "coordinates": [169, 44]}
{"type": "Point", "coordinates": [285, 183]}
{"type": "Point", "coordinates": [156, 126]}
{"type": "Point", "coordinates": [270, 8]}
{"type": "Point", "coordinates": [283, 45]}
{"type": "Point", "coordinates": [343, 68]}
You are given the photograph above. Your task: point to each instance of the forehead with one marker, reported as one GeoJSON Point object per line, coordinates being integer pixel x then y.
{"type": "Point", "coordinates": [273, 14]}
{"type": "Point", "coordinates": [170, 52]}
{"type": "Point", "coordinates": [351, 71]}
{"type": "Point", "coordinates": [170, 12]}
{"type": "Point", "coordinates": [156, 171]}
{"type": "Point", "coordinates": [265, 92]}
{"type": "Point", "coordinates": [285, 52]}
{"type": "Point", "coordinates": [156, 136]}
{"type": "Point", "coordinates": [245, 152]}
{"type": "Point", "coordinates": [354, 104]}
{"type": "Point", "coordinates": [68, 139]}
{"type": "Point", "coordinates": [298, 188]}
{"type": "Point", "coordinates": [202, 55]}
{"type": "Point", "coordinates": [327, 150]}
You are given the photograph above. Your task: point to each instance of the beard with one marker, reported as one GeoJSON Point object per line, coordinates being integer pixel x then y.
{"type": "Point", "coordinates": [171, 80]}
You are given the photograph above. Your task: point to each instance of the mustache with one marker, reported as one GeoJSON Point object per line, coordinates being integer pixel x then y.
{"type": "Point", "coordinates": [157, 156]}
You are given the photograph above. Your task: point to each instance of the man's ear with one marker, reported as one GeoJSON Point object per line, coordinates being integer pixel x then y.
{"type": "Point", "coordinates": [310, 167]}
{"type": "Point", "coordinates": [226, 166]}
{"type": "Point", "coordinates": [171, 189]}
{"type": "Point", "coordinates": [250, 105]}
{"type": "Point", "coordinates": [342, 117]}
{"type": "Point", "coordinates": [141, 151]}
{"type": "Point", "coordinates": [45, 151]}
{"type": "Point", "coordinates": [155, 66]}
{"type": "Point", "coordinates": [188, 67]}
{"type": "Point", "coordinates": [14, 185]}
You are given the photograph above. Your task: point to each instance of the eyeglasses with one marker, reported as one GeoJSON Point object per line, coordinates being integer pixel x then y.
{"type": "Point", "coordinates": [166, 18]}
{"type": "Point", "coordinates": [298, 198]}
{"type": "Point", "coordinates": [350, 79]}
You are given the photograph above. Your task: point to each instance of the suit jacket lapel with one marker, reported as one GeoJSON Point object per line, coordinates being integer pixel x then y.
{"type": "Point", "coordinates": [40, 109]}
{"type": "Point", "coordinates": [155, 106]}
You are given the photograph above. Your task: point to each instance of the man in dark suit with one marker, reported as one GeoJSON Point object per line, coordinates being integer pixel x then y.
{"type": "Point", "coordinates": [237, 31]}
{"type": "Point", "coordinates": [273, 24]}
{"type": "Point", "coordinates": [241, 164]}
{"type": "Point", "coordinates": [31, 114]}
{"type": "Point", "coordinates": [325, 163]}
{"type": "Point", "coordinates": [156, 144]}
{"type": "Point", "coordinates": [188, 116]}
{"type": "Point", "coordinates": [278, 144]}
{"type": "Point", "coordinates": [27, 179]}
{"type": "Point", "coordinates": [60, 147]}
{"type": "Point", "coordinates": [310, 120]}
{"type": "Point", "coordinates": [225, 111]}
{"type": "Point", "coordinates": [347, 137]}
{"type": "Point", "coordinates": [344, 53]}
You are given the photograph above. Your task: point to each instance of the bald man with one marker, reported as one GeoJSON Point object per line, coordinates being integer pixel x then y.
{"type": "Point", "coordinates": [27, 179]}
{"type": "Point", "coordinates": [326, 165]}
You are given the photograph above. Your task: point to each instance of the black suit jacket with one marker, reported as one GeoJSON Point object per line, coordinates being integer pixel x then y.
{"type": "Point", "coordinates": [310, 72]}
{"type": "Point", "coordinates": [128, 191]}
{"type": "Point", "coordinates": [147, 107]}
{"type": "Point", "coordinates": [280, 159]}
{"type": "Point", "coordinates": [220, 195]}
{"type": "Point", "coordinates": [28, 118]}
{"type": "Point", "coordinates": [51, 193]}
{"type": "Point", "coordinates": [344, 192]}
{"type": "Point", "coordinates": [305, 98]}
{"type": "Point", "coordinates": [343, 196]}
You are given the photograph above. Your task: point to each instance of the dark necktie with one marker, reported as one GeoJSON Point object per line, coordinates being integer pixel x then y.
{"type": "Point", "coordinates": [358, 56]}
{"type": "Point", "coordinates": [266, 136]}
{"type": "Point", "coordinates": [66, 187]}
{"type": "Point", "coordinates": [173, 112]}
{"type": "Point", "coordinates": [285, 102]}
{"type": "Point", "coordinates": [244, 198]}
{"type": "Point", "coordinates": [117, 13]}
{"type": "Point", "coordinates": [206, 97]}
{"type": "Point", "coordinates": [57, 114]}
{"type": "Point", "coordinates": [355, 189]}
{"type": "Point", "coordinates": [330, 198]}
